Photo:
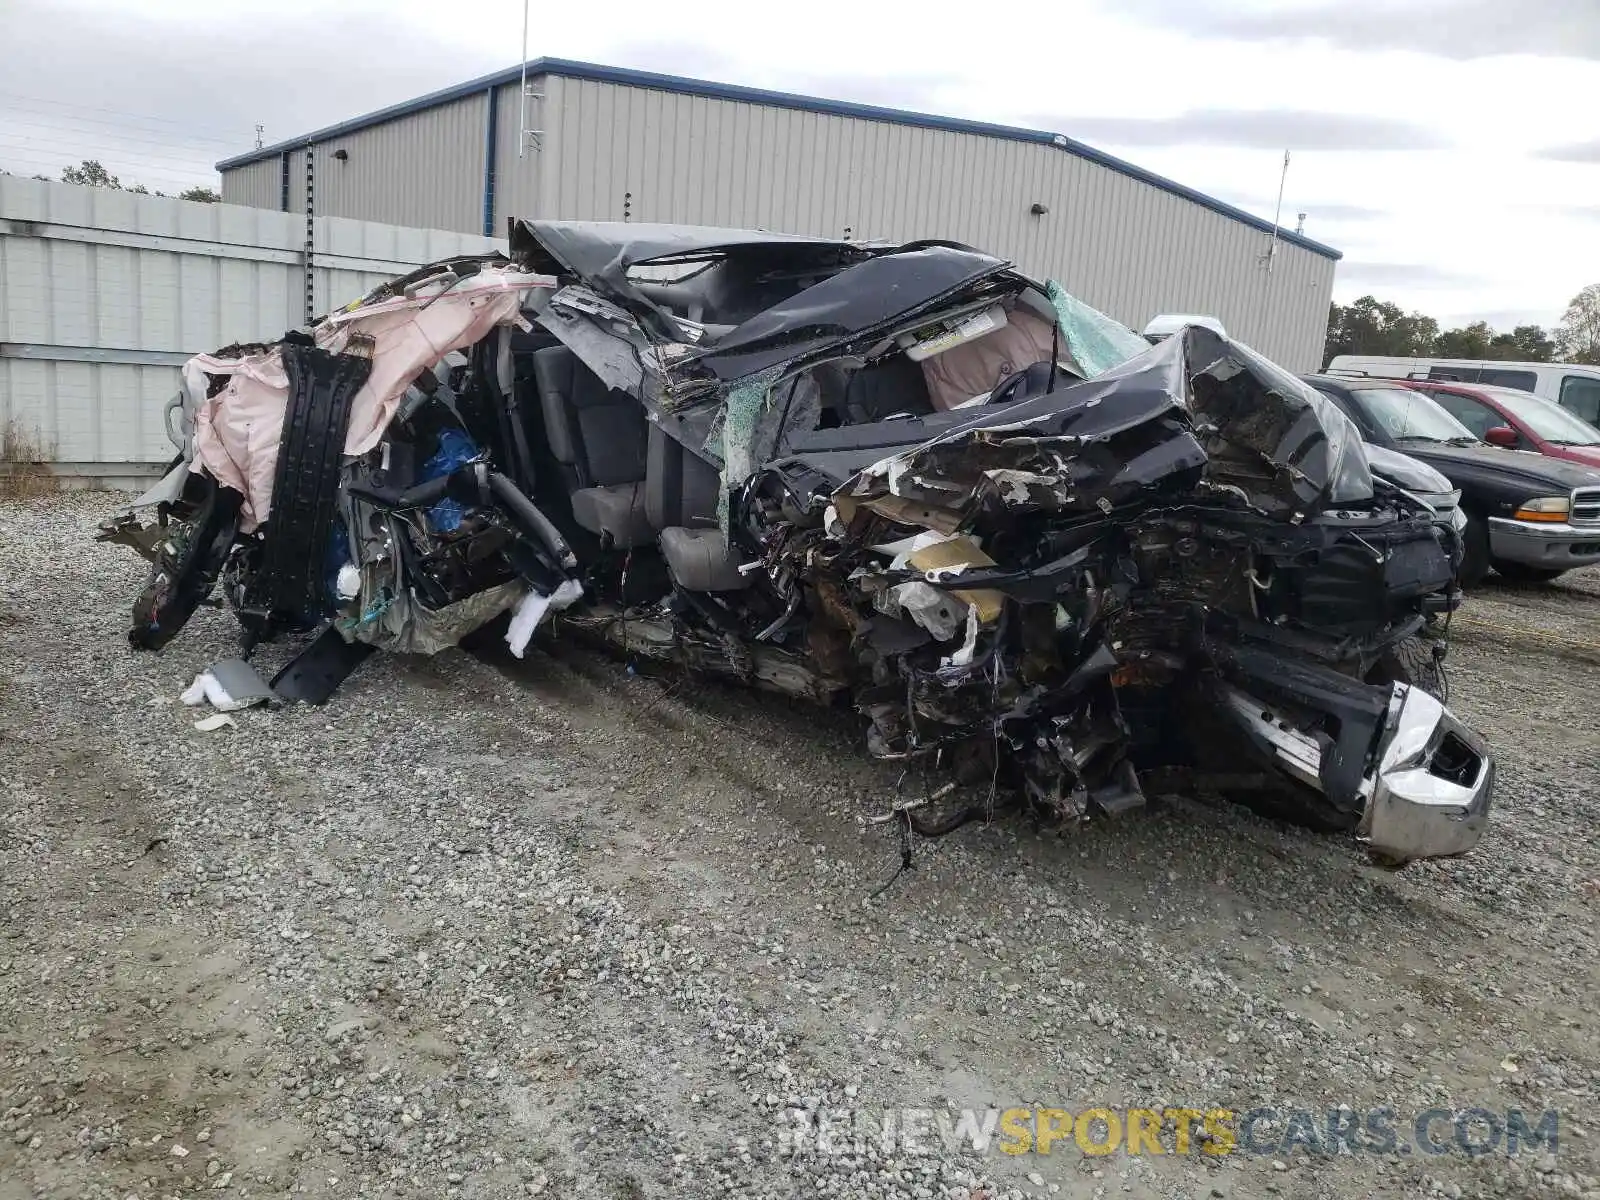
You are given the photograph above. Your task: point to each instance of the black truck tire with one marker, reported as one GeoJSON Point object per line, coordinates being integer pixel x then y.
{"type": "Point", "coordinates": [1475, 551]}
{"type": "Point", "coordinates": [1412, 662]}
{"type": "Point", "coordinates": [1522, 573]}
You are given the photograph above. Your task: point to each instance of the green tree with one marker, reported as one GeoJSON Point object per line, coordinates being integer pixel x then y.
{"type": "Point", "coordinates": [1578, 336]}
{"type": "Point", "coordinates": [1525, 343]}
{"type": "Point", "coordinates": [1470, 341]}
{"type": "Point", "coordinates": [1371, 326]}
{"type": "Point", "coordinates": [90, 173]}
{"type": "Point", "coordinates": [1379, 327]}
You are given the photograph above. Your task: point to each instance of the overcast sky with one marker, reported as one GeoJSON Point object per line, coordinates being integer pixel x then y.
{"type": "Point", "coordinates": [1450, 148]}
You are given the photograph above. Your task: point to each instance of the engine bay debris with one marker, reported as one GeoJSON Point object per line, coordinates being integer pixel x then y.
{"type": "Point", "coordinates": [1062, 566]}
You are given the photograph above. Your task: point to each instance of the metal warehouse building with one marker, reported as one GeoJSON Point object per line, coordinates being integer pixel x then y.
{"type": "Point", "coordinates": [604, 143]}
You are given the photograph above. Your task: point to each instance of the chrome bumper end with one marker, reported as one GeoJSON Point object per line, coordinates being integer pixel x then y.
{"type": "Point", "coordinates": [1556, 547]}
{"type": "Point", "coordinates": [1431, 788]}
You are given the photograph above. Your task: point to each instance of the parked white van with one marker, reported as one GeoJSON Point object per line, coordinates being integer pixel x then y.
{"type": "Point", "coordinates": [1576, 388]}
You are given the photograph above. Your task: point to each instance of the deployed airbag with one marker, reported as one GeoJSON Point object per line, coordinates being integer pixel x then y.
{"type": "Point", "coordinates": [239, 427]}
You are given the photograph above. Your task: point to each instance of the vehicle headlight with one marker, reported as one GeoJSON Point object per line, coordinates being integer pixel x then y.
{"type": "Point", "coordinates": [1544, 508]}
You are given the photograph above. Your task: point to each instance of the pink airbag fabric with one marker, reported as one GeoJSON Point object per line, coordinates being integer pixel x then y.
{"type": "Point", "coordinates": [979, 366]}
{"type": "Point", "coordinates": [237, 431]}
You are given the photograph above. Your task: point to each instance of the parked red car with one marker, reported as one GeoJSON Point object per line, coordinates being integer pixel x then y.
{"type": "Point", "coordinates": [1515, 419]}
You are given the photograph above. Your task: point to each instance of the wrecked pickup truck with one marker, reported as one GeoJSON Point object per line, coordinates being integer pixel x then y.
{"type": "Point", "coordinates": [1058, 565]}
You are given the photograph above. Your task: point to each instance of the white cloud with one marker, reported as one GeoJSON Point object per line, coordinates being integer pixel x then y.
{"type": "Point", "coordinates": [1461, 29]}
{"type": "Point", "coordinates": [1491, 227]}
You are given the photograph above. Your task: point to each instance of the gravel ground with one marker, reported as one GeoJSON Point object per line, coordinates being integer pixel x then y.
{"type": "Point", "coordinates": [481, 928]}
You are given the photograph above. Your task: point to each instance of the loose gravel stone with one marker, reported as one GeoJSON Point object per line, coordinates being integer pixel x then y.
{"type": "Point", "coordinates": [487, 928]}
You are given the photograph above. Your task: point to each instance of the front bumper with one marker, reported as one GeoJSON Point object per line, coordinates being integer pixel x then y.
{"type": "Point", "coordinates": [1447, 505]}
{"type": "Point", "coordinates": [1551, 547]}
{"type": "Point", "coordinates": [1451, 512]}
{"type": "Point", "coordinates": [1431, 788]}
{"type": "Point", "coordinates": [1425, 790]}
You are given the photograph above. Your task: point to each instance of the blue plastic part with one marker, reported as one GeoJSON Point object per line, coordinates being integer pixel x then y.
{"type": "Point", "coordinates": [338, 556]}
{"type": "Point", "coordinates": [455, 450]}
{"type": "Point", "coordinates": [446, 516]}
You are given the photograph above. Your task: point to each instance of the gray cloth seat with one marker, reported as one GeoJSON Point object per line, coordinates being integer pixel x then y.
{"type": "Point", "coordinates": [617, 510]}
{"type": "Point", "coordinates": [896, 385]}
{"type": "Point", "coordinates": [700, 561]}
{"type": "Point", "coordinates": [681, 492]}
{"type": "Point", "coordinates": [598, 437]}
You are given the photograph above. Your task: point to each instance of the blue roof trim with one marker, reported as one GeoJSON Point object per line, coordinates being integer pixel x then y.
{"type": "Point", "coordinates": [627, 77]}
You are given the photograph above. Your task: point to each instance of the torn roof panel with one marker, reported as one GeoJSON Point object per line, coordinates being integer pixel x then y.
{"type": "Point", "coordinates": [851, 303]}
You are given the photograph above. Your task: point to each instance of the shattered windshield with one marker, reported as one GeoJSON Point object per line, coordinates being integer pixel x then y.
{"type": "Point", "coordinates": [1406, 415]}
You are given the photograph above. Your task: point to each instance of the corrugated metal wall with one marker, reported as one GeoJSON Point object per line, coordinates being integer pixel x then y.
{"type": "Point", "coordinates": [103, 294]}
{"type": "Point", "coordinates": [255, 185]}
{"type": "Point", "coordinates": [610, 151]}
{"type": "Point", "coordinates": [516, 180]}
{"type": "Point", "coordinates": [425, 170]}
{"type": "Point", "coordinates": [1130, 249]}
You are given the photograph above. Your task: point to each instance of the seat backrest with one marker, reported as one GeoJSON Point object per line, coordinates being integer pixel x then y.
{"type": "Point", "coordinates": [896, 385]}
{"type": "Point", "coordinates": [597, 434]}
{"type": "Point", "coordinates": [681, 489]}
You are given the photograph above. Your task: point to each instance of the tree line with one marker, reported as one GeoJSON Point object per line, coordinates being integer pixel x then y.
{"type": "Point", "coordinates": [91, 173]}
{"type": "Point", "coordinates": [1373, 326]}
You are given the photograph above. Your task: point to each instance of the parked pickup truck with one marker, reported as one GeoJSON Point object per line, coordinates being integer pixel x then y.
{"type": "Point", "coordinates": [1529, 517]}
